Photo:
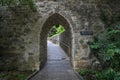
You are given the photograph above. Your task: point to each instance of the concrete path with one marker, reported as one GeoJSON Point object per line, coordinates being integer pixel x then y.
{"type": "Point", "coordinates": [58, 66]}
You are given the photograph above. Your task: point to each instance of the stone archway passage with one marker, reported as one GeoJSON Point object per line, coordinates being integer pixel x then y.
{"type": "Point", "coordinates": [54, 19]}
{"type": "Point", "coordinates": [58, 66]}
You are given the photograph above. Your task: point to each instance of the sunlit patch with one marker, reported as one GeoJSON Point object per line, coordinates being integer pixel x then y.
{"type": "Point", "coordinates": [55, 31]}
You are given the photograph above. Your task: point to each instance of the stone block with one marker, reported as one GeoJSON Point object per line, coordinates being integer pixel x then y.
{"type": "Point", "coordinates": [83, 64]}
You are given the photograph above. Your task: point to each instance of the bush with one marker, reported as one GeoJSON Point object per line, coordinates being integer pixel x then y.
{"type": "Point", "coordinates": [106, 47]}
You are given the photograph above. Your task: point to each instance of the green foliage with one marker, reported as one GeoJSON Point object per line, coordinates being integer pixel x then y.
{"type": "Point", "coordinates": [118, 26]}
{"type": "Point", "coordinates": [56, 30]}
{"type": "Point", "coordinates": [21, 77]}
{"type": "Point", "coordinates": [117, 76]}
{"type": "Point", "coordinates": [15, 75]}
{"type": "Point", "coordinates": [32, 5]}
{"type": "Point", "coordinates": [106, 75]}
{"type": "Point", "coordinates": [95, 46]}
{"type": "Point", "coordinates": [106, 47]}
{"type": "Point", "coordinates": [88, 74]}
{"type": "Point", "coordinates": [84, 72]}
{"type": "Point", "coordinates": [7, 2]}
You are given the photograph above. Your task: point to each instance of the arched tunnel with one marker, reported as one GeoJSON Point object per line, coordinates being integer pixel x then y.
{"type": "Point", "coordinates": [65, 38]}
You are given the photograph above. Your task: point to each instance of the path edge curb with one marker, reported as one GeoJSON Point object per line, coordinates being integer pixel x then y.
{"type": "Point", "coordinates": [33, 74]}
{"type": "Point", "coordinates": [80, 77]}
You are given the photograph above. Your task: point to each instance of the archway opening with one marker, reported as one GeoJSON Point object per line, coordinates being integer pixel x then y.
{"type": "Point", "coordinates": [57, 35]}
{"type": "Point", "coordinates": [56, 30]}
{"type": "Point", "coordinates": [65, 39]}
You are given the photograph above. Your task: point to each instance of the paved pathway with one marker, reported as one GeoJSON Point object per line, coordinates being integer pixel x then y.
{"type": "Point", "coordinates": [58, 66]}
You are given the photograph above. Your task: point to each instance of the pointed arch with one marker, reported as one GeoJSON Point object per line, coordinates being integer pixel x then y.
{"type": "Point", "coordinates": [52, 20]}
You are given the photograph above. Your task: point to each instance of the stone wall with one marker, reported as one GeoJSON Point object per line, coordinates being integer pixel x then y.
{"type": "Point", "coordinates": [16, 26]}
{"type": "Point", "coordinates": [66, 41]}
{"type": "Point", "coordinates": [23, 33]}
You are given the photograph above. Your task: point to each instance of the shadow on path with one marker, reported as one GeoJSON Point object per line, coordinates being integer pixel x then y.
{"type": "Point", "coordinates": [58, 66]}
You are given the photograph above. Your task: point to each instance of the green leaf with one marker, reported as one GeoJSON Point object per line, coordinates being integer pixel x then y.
{"type": "Point", "coordinates": [95, 46]}
{"type": "Point", "coordinates": [117, 51]}
{"type": "Point", "coordinates": [111, 52]}
{"type": "Point", "coordinates": [112, 32]}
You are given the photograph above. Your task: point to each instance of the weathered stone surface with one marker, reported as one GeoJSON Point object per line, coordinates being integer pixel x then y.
{"type": "Point", "coordinates": [26, 31]}
{"type": "Point", "coordinates": [83, 64]}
